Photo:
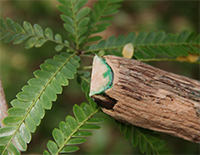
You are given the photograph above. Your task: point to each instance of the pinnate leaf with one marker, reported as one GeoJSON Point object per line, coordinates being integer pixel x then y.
{"type": "Point", "coordinates": [7, 131]}
{"type": "Point", "coordinates": [24, 132]}
{"type": "Point", "coordinates": [40, 42]}
{"type": "Point", "coordinates": [53, 148]}
{"type": "Point", "coordinates": [65, 10]}
{"type": "Point", "coordinates": [13, 150]}
{"type": "Point", "coordinates": [69, 149]}
{"type": "Point", "coordinates": [10, 24]}
{"type": "Point", "coordinates": [76, 141]}
{"type": "Point", "coordinates": [82, 134]}
{"type": "Point", "coordinates": [79, 114]}
{"type": "Point", "coordinates": [18, 28]}
{"type": "Point", "coordinates": [10, 38]}
{"type": "Point", "coordinates": [28, 28]}
{"type": "Point", "coordinates": [12, 120]}
{"type": "Point", "coordinates": [58, 137]}
{"type": "Point", "coordinates": [79, 4]}
{"type": "Point", "coordinates": [31, 42]}
{"type": "Point", "coordinates": [16, 111]}
{"type": "Point", "coordinates": [48, 33]}
{"type": "Point", "coordinates": [72, 131]}
{"type": "Point", "coordinates": [95, 38]}
{"type": "Point", "coordinates": [69, 28]}
{"type": "Point", "coordinates": [19, 142]}
{"type": "Point", "coordinates": [66, 130]}
{"type": "Point", "coordinates": [71, 122]}
{"type": "Point", "coordinates": [20, 38]}
{"type": "Point", "coordinates": [28, 109]}
{"type": "Point", "coordinates": [81, 13]}
{"type": "Point", "coordinates": [38, 30]}
{"type": "Point", "coordinates": [3, 24]}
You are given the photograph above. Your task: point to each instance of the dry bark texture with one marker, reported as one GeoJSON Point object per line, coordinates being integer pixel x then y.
{"type": "Point", "coordinates": [155, 99]}
{"type": "Point", "coordinates": [3, 105]}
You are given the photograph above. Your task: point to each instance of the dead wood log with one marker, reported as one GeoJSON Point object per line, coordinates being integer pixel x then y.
{"type": "Point", "coordinates": [149, 97]}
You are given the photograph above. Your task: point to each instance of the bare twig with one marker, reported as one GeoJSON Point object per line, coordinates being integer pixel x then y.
{"type": "Point", "coordinates": [3, 105]}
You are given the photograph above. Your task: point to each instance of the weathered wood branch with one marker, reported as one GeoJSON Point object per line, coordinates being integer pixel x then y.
{"type": "Point", "coordinates": [3, 105]}
{"type": "Point", "coordinates": [151, 98]}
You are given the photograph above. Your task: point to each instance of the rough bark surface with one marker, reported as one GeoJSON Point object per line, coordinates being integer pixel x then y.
{"type": "Point", "coordinates": [3, 105]}
{"type": "Point", "coordinates": [155, 99]}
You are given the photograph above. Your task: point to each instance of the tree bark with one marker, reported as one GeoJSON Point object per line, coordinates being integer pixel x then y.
{"type": "Point", "coordinates": [3, 105]}
{"type": "Point", "coordinates": [151, 98]}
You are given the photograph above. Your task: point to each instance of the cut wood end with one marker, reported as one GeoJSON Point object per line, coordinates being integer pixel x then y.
{"type": "Point", "coordinates": [102, 76]}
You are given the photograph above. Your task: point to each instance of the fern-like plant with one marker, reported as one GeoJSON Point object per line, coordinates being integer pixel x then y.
{"type": "Point", "coordinates": [82, 24]}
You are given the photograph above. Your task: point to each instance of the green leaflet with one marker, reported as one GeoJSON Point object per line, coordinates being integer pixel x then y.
{"type": "Point", "coordinates": [28, 108]}
{"type": "Point", "coordinates": [150, 45]}
{"type": "Point", "coordinates": [35, 36]}
{"type": "Point", "coordinates": [148, 141]}
{"type": "Point", "coordinates": [69, 149]}
{"type": "Point", "coordinates": [75, 20]}
{"type": "Point", "coordinates": [72, 131]}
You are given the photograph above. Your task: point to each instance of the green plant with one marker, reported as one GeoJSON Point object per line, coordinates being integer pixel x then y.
{"type": "Point", "coordinates": [81, 24]}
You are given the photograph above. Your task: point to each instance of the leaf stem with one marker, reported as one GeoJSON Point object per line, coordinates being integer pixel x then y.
{"type": "Point", "coordinates": [166, 59]}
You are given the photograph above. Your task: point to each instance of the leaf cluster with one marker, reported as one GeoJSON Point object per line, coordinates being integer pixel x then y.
{"type": "Point", "coordinates": [35, 35]}
{"type": "Point", "coordinates": [29, 107]}
{"type": "Point", "coordinates": [73, 130]}
{"type": "Point", "coordinates": [81, 23]}
{"type": "Point", "coordinates": [151, 44]}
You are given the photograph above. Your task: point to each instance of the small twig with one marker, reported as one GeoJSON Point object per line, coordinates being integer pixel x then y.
{"type": "Point", "coordinates": [3, 105]}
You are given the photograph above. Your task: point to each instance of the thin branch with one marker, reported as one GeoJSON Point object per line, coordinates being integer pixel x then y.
{"type": "Point", "coordinates": [3, 105]}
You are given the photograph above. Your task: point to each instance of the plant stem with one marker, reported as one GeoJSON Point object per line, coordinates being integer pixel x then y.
{"type": "Point", "coordinates": [165, 59]}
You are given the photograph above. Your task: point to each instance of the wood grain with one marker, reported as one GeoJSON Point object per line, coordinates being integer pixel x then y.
{"type": "Point", "coordinates": [151, 98]}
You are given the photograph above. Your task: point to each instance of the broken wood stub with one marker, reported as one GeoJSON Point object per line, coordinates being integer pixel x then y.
{"type": "Point", "coordinates": [151, 98]}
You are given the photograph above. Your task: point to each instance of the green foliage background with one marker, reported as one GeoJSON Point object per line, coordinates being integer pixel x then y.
{"type": "Point", "coordinates": [17, 64]}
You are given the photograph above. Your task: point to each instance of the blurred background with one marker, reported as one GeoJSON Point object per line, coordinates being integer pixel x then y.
{"type": "Point", "coordinates": [17, 65]}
